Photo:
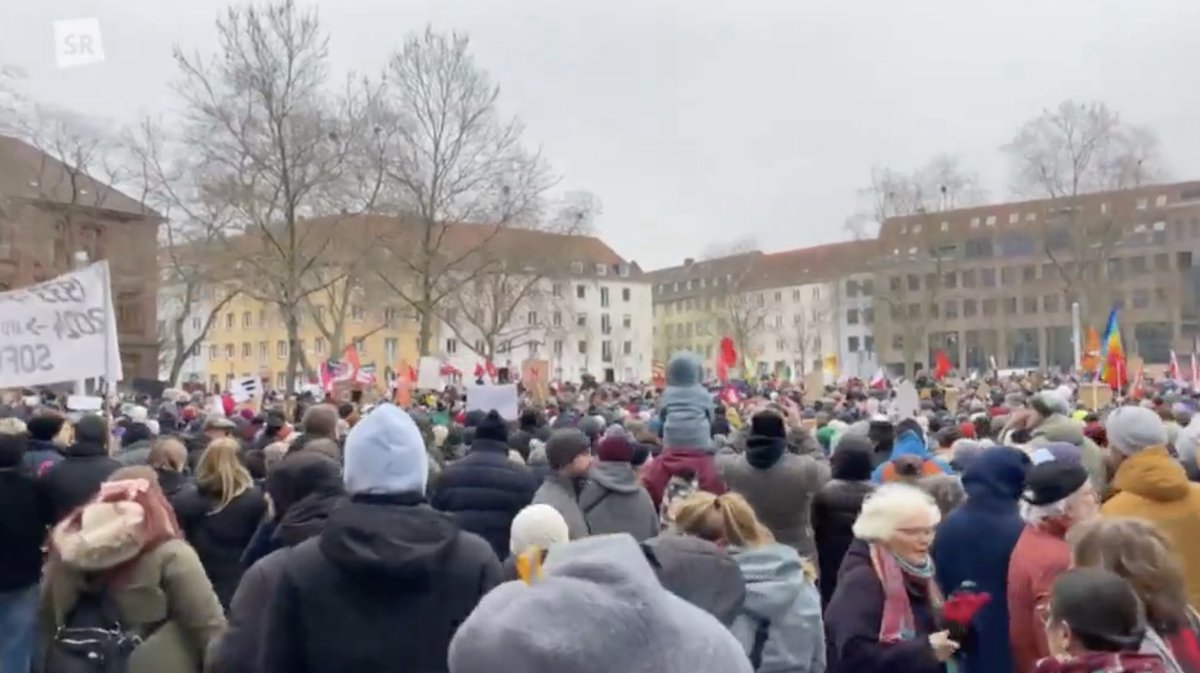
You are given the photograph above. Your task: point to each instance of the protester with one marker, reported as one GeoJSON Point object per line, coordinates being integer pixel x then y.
{"type": "Point", "coordinates": [49, 433]}
{"type": "Point", "coordinates": [910, 459]}
{"type": "Point", "coordinates": [570, 458]}
{"type": "Point", "coordinates": [1142, 554]}
{"type": "Point", "coordinates": [612, 499]}
{"type": "Point", "coordinates": [1052, 424]}
{"type": "Point", "coordinates": [304, 490]}
{"type": "Point", "coordinates": [220, 515]}
{"type": "Point", "coordinates": [534, 530]}
{"type": "Point", "coordinates": [319, 422]}
{"type": "Point", "coordinates": [1149, 484]}
{"type": "Point", "coordinates": [23, 522]}
{"type": "Point", "coordinates": [836, 506]}
{"type": "Point", "coordinates": [1058, 496]}
{"type": "Point", "coordinates": [485, 490]}
{"type": "Point", "coordinates": [529, 427]}
{"type": "Point", "coordinates": [686, 432]}
{"type": "Point", "coordinates": [620, 619]}
{"type": "Point", "coordinates": [883, 617]}
{"type": "Point", "coordinates": [168, 459]}
{"type": "Point", "coordinates": [135, 445]}
{"type": "Point", "coordinates": [386, 582]}
{"type": "Point", "coordinates": [1095, 624]}
{"type": "Point", "coordinates": [85, 465]}
{"type": "Point", "coordinates": [692, 563]}
{"type": "Point", "coordinates": [779, 485]}
{"type": "Point", "coordinates": [124, 549]}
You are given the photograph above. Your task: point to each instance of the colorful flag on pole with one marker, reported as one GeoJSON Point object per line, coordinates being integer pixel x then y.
{"type": "Point", "coordinates": [1090, 357]}
{"type": "Point", "coordinates": [1173, 372]}
{"type": "Point", "coordinates": [1112, 356]}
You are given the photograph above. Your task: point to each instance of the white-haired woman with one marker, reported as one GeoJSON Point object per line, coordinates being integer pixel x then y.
{"type": "Point", "coordinates": [884, 616]}
{"type": "Point", "coordinates": [1058, 496]}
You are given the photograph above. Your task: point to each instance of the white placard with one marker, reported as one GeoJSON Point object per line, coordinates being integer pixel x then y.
{"type": "Point", "coordinates": [429, 373]}
{"type": "Point", "coordinates": [907, 403]}
{"type": "Point", "coordinates": [501, 397]}
{"type": "Point", "coordinates": [58, 331]}
{"type": "Point", "coordinates": [246, 388]}
{"type": "Point", "coordinates": [84, 403]}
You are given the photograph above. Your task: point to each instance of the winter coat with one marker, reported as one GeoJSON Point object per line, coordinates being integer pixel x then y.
{"type": "Point", "coordinates": [24, 517]}
{"type": "Point", "coordinates": [779, 486]}
{"type": "Point", "coordinates": [1059, 428]}
{"type": "Point", "coordinates": [1153, 486]}
{"type": "Point", "coordinates": [484, 491]}
{"type": "Point", "coordinates": [166, 583]}
{"type": "Point", "coordinates": [240, 648]}
{"type": "Point", "coordinates": [781, 598]}
{"type": "Point", "coordinates": [834, 510]}
{"type": "Point", "coordinates": [175, 486]}
{"type": "Point", "coordinates": [975, 544]}
{"type": "Point", "coordinates": [75, 479]}
{"type": "Point", "coordinates": [559, 492]}
{"type": "Point", "coordinates": [908, 444]}
{"type": "Point", "coordinates": [853, 618]}
{"type": "Point", "coordinates": [613, 501]}
{"type": "Point", "coordinates": [699, 572]}
{"type": "Point", "coordinates": [137, 453]}
{"type": "Point", "coordinates": [1037, 560]}
{"type": "Point", "coordinates": [677, 462]}
{"type": "Point", "coordinates": [41, 455]}
{"type": "Point", "coordinates": [220, 536]}
{"type": "Point", "coordinates": [1102, 662]}
{"type": "Point", "coordinates": [382, 589]}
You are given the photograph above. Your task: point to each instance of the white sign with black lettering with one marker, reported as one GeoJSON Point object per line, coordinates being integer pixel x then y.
{"type": "Point", "coordinates": [58, 331]}
{"type": "Point", "coordinates": [246, 388]}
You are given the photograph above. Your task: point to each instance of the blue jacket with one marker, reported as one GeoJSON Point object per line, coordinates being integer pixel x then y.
{"type": "Point", "coordinates": [41, 456]}
{"type": "Point", "coordinates": [909, 444]}
{"type": "Point", "coordinates": [975, 543]}
{"type": "Point", "coordinates": [779, 596]}
{"type": "Point", "coordinates": [484, 491]}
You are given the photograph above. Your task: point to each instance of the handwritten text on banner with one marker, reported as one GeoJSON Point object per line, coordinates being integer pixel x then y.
{"type": "Point", "coordinates": [60, 330]}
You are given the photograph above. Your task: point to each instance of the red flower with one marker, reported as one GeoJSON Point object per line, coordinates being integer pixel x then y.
{"type": "Point", "coordinates": [961, 607]}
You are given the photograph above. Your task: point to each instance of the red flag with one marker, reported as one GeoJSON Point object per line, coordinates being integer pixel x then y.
{"type": "Point", "coordinates": [478, 370]}
{"type": "Point", "coordinates": [491, 370]}
{"type": "Point", "coordinates": [941, 366]}
{"type": "Point", "coordinates": [722, 371]}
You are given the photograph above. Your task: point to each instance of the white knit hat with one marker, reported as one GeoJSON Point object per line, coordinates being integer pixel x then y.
{"type": "Point", "coordinates": [1132, 429]}
{"type": "Point", "coordinates": [537, 526]}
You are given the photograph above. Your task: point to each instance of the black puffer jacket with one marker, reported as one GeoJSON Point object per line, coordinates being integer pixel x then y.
{"type": "Point", "coordinates": [836, 506]}
{"type": "Point", "coordinates": [219, 537]}
{"type": "Point", "coordinates": [384, 566]}
{"type": "Point", "coordinates": [484, 491]}
{"type": "Point", "coordinates": [76, 478]}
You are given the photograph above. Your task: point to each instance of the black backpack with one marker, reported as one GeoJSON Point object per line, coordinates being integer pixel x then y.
{"type": "Point", "coordinates": [93, 639]}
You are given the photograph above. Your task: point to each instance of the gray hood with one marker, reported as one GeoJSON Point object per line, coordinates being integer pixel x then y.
{"type": "Point", "coordinates": [615, 477]}
{"type": "Point", "coordinates": [773, 578]}
{"type": "Point", "coordinates": [699, 572]}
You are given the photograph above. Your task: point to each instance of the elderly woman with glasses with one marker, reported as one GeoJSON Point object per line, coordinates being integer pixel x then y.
{"type": "Point", "coordinates": [884, 616]}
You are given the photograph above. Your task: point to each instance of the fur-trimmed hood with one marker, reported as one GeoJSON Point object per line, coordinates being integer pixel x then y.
{"type": "Point", "coordinates": [102, 536]}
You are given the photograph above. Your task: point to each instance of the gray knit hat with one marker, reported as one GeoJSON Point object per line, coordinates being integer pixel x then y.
{"type": "Point", "coordinates": [1133, 429]}
{"type": "Point", "coordinates": [598, 608]}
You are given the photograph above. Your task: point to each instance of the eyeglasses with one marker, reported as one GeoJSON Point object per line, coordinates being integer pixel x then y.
{"type": "Point", "coordinates": [916, 531]}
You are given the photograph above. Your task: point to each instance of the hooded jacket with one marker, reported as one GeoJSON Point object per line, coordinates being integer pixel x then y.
{"type": "Point", "coordinates": [559, 492]}
{"type": "Point", "coordinates": [1059, 428]}
{"type": "Point", "coordinates": [41, 456]}
{"type": "Point", "coordinates": [975, 544]}
{"type": "Point", "coordinates": [779, 485]}
{"type": "Point", "coordinates": [679, 462]}
{"type": "Point", "coordinates": [76, 478]}
{"type": "Point", "coordinates": [613, 501]}
{"type": "Point", "coordinates": [485, 490]}
{"type": "Point", "coordinates": [1153, 486]}
{"type": "Point", "coordinates": [781, 598]}
{"type": "Point", "coordinates": [23, 522]}
{"type": "Point", "coordinates": [220, 537]}
{"type": "Point", "coordinates": [699, 572]}
{"type": "Point", "coordinates": [909, 444]}
{"type": "Point", "coordinates": [836, 506]}
{"type": "Point", "coordinates": [383, 588]}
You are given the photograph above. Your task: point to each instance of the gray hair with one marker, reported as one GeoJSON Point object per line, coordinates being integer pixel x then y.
{"type": "Point", "coordinates": [321, 420]}
{"type": "Point", "coordinates": [887, 506]}
{"type": "Point", "coordinates": [1035, 514]}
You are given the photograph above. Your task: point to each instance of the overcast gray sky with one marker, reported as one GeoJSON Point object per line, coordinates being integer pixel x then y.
{"type": "Point", "coordinates": [697, 121]}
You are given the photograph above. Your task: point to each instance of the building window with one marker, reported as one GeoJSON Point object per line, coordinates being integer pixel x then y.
{"type": "Point", "coordinates": [1008, 275]}
{"type": "Point", "coordinates": [262, 317]}
{"type": "Point", "coordinates": [627, 348]}
{"type": "Point", "coordinates": [897, 342]}
{"type": "Point", "coordinates": [969, 308]}
{"type": "Point", "coordinates": [228, 351]}
{"type": "Point", "coordinates": [247, 320]}
{"type": "Point", "coordinates": [228, 321]}
{"type": "Point", "coordinates": [626, 294]}
{"type": "Point", "coordinates": [557, 319]}
{"type": "Point", "coordinates": [623, 270]}
{"type": "Point", "coordinates": [281, 380]}
{"type": "Point", "coordinates": [991, 220]}
{"type": "Point", "coordinates": [606, 324]}
{"type": "Point", "coordinates": [1029, 305]}
{"type": "Point", "coordinates": [582, 347]}
{"type": "Point", "coordinates": [974, 222]}
{"type": "Point", "coordinates": [852, 344]}
{"type": "Point", "coordinates": [532, 318]}
{"type": "Point", "coordinates": [581, 320]}
{"type": "Point", "coordinates": [1141, 299]}
{"type": "Point", "coordinates": [357, 313]}
{"type": "Point", "coordinates": [576, 268]}
{"type": "Point", "coordinates": [263, 351]}
{"type": "Point", "coordinates": [360, 346]}
{"type": "Point", "coordinates": [197, 323]}
{"type": "Point", "coordinates": [247, 349]}
{"type": "Point", "coordinates": [1143, 203]}
{"type": "Point", "coordinates": [281, 349]}
{"type": "Point", "coordinates": [868, 316]}
{"type": "Point", "coordinates": [1013, 218]}
{"type": "Point", "coordinates": [1160, 200]}
{"type": "Point", "coordinates": [558, 348]}
{"type": "Point", "coordinates": [213, 353]}
{"type": "Point", "coordinates": [989, 307]}
{"type": "Point", "coordinates": [951, 309]}
{"type": "Point", "coordinates": [601, 269]}
{"type": "Point", "coordinates": [606, 351]}
{"type": "Point", "coordinates": [1050, 303]}
{"type": "Point", "coordinates": [627, 321]}
{"type": "Point", "coordinates": [581, 292]}
{"type": "Point", "coordinates": [604, 297]}
{"type": "Point", "coordinates": [451, 345]}
{"type": "Point", "coordinates": [1029, 273]}
{"type": "Point", "coordinates": [851, 316]}
{"type": "Point", "coordinates": [1010, 305]}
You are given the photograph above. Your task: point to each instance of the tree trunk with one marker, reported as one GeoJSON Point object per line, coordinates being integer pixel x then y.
{"type": "Point", "coordinates": [293, 337]}
{"type": "Point", "coordinates": [426, 331]}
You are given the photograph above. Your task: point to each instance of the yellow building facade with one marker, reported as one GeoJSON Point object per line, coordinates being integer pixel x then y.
{"type": "Point", "coordinates": [249, 338]}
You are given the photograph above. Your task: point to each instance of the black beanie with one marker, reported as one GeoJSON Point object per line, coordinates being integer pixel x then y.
{"type": "Point", "coordinates": [768, 424]}
{"type": "Point", "coordinates": [492, 427]}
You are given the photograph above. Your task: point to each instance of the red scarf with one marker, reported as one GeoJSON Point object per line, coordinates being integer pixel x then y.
{"type": "Point", "coordinates": [898, 623]}
{"type": "Point", "coordinates": [1102, 662]}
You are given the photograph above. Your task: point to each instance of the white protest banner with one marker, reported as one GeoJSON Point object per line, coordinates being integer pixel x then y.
{"type": "Point", "coordinates": [84, 403]}
{"type": "Point", "coordinates": [907, 403]}
{"type": "Point", "coordinates": [246, 388]}
{"type": "Point", "coordinates": [60, 330]}
{"type": "Point", "coordinates": [501, 397]}
{"type": "Point", "coordinates": [429, 373]}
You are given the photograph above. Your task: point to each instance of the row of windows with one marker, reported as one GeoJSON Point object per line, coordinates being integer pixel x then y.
{"type": "Point", "coordinates": [1140, 298]}
{"type": "Point", "coordinates": [1015, 217]}
{"type": "Point", "coordinates": [581, 293]}
{"type": "Point", "coordinates": [320, 348]}
{"type": "Point", "coordinates": [1116, 268]}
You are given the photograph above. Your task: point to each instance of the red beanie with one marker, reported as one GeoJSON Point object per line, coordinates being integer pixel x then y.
{"type": "Point", "coordinates": [614, 449]}
{"type": "Point", "coordinates": [967, 429]}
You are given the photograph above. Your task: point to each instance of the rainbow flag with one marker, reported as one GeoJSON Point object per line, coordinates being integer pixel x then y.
{"type": "Point", "coordinates": [1112, 354]}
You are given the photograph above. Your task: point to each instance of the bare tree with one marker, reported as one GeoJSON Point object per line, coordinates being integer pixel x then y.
{"type": "Point", "coordinates": [1074, 149]}
{"type": "Point", "coordinates": [454, 169]}
{"type": "Point", "coordinates": [738, 308]}
{"type": "Point", "coordinates": [941, 184]}
{"type": "Point", "coordinates": [267, 136]}
{"type": "Point", "coordinates": [521, 282]}
{"type": "Point", "coordinates": [909, 292]}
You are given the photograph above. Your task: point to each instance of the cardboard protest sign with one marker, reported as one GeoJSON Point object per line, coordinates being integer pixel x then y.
{"type": "Point", "coordinates": [1095, 395]}
{"type": "Point", "coordinates": [61, 330]}
{"type": "Point", "coordinates": [535, 376]}
{"type": "Point", "coordinates": [907, 403]}
{"type": "Point", "coordinates": [429, 373]}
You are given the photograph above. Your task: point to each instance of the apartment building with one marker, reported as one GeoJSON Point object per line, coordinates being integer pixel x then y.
{"type": "Point", "coordinates": [698, 302]}
{"type": "Point", "coordinates": [996, 283]}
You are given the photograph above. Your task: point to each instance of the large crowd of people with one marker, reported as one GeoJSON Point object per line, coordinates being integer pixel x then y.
{"type": "Point", "coordinates": [692, 527]}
